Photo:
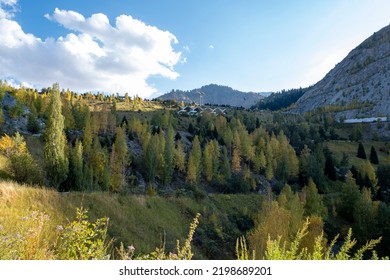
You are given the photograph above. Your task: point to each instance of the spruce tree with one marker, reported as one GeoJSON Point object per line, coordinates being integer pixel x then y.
{"type": "Point", "coordinates": [373, 156]}
{"type": "Point", "coordinates": [56, 160]}
{"type": "Point", "coordinates": [361, 153]}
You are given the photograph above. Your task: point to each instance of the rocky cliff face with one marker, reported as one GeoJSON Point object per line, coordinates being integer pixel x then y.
{"type": "Point", "coordinates": [215, 94]}
{"type": "Point", "coordinates": [360, 83]}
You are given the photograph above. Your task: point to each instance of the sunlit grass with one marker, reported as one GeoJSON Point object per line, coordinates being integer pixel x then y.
{"type": "Point", "coordinates": [145, 222]}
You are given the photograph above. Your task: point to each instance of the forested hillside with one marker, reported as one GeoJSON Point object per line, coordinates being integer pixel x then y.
{"type": "Point", "coordinates": [289, 167]}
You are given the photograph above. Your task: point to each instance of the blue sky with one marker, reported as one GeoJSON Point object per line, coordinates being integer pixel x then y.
{"type": "Point", "coordinates": [150, 47]}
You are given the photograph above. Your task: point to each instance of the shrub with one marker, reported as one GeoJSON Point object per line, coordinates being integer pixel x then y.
{"type": "Point", "coordinates": [83, 240]}
{"type": "Point", "coordinates": [276, 250]}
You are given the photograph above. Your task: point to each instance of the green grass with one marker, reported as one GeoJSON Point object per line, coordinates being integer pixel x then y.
{"type": "Point", "coordinates": [350, 148]}
{"type": "Point", "coordinates": [142, 221]}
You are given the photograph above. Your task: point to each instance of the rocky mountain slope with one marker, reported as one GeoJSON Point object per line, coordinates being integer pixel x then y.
{"type": "Point", "coordinates": [215, 94]}
{"type": "Point", "coordinates": [359, 86]}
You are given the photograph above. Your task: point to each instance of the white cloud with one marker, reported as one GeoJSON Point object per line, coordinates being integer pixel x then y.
{"type": "Point", "coordinates": [7, 8]}
{"type": "Point", "coordinates": [211, 47]}
{"type": "Point", "coordinates": [95, 56]}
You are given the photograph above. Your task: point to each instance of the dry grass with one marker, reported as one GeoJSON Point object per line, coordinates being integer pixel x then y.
{"type": "Point", "coordinates": [142, 221]}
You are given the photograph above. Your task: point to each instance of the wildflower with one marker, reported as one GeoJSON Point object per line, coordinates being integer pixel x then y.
{"type": "Point", "coordinates": [131, 248]}
{"type": "Point", "coordinates": [59, 228]}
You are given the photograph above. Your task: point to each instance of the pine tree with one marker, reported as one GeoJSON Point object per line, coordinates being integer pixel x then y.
{"type": "Point", "coordinates": [361, 153]}
{"type": "Point", "coordinates": [56, 160]}
{"type": "Point", "coordinates": [373, 156]}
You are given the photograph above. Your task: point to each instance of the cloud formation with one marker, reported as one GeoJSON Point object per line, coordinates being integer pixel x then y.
{"type": "Point", "coordinates": [7, 8]}
{"type": "Point", "coordinates": [95, 55]}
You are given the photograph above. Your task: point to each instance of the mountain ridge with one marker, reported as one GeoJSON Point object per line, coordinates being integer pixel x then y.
{"type": "Point", "coordinates": [215, 94]}
{"type": "Point", "coordinates": [360, 82]}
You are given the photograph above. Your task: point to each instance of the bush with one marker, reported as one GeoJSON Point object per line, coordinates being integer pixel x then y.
{"type": "Point", "coordinates": [276, 250]}
{"type": "Point", "coordinates": [25, 169]}
{"type": "Point", "coordinates": [83, 240]}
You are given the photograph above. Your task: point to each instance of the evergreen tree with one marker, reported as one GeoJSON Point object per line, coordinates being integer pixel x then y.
{"type": "Point", "coordinates": [115, 171]}
{"type": "Point", "coordinates": [236, 160]}
{"type": "Point", "coordinates": [208, 161]}
{"type": "Point", "coordinates": [119, 160]}
{"type": "Point", "coordinates": [32, 124]}
{"type": "Point", "coordinates": [1, 115]}
{"type": "Point", "coordinates": [97, 160]}
{"type": "Point", "coordinates": [76, 167]}
{"type": "Point", "coordinates": [349, 196]}
{"type": "Point", "coordinates": [180, 157]}
{"type": "Point", "coordinates": [194, 161]}
{"type": "Point", "coordinates": [236, 153]}
{"type": "Point", "coordinates": [269, 168]}
{"type": "Point", "coordinates": [169, 152]}
{"type": "Point", "coordinates": [369, 177]}
{"type": "Point", "coordinates": [365, 212]}
{"type": "Point", "coordinates": [330, 169]}
{"type": "Point", "coordinates": [151, 157]}
{"type": "Point", "coordinates": [373, 156]}
{"type": "Point", "coordinates": [361, 153]}
{"type": "Point", "coordinates": [87, 134]}
{"type": "Point", "coordinates": [313, 201]}
{"type": "Point", "coordinates": [383, 174]}
{"type": "Point", "coordinates": [304, 165]}
{"type": "Point", "coordinates": [225, 164]}
{"type": "Point", "coordinates": [216, 157]}
{"type": "Point", "coordinates": [56, 160]}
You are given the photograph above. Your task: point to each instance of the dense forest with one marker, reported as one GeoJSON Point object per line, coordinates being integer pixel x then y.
{"type": "Point", "coordinates": [284, 171]}
{"type": "Point", "coordinates": [280, 100]}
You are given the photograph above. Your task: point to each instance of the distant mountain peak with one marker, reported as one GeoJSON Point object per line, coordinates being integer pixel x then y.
{"type": "Point", "coordinates": [215, 94]}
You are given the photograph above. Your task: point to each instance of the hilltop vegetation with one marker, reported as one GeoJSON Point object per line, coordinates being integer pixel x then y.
{"type": "Point", "coordinates": [249, 173]}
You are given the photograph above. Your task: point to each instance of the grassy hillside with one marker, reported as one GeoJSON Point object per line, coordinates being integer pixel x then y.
{"type": "Point", "coordinates": [145, 222]}
{"type": "Point", "coordinates": [350, 148]}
